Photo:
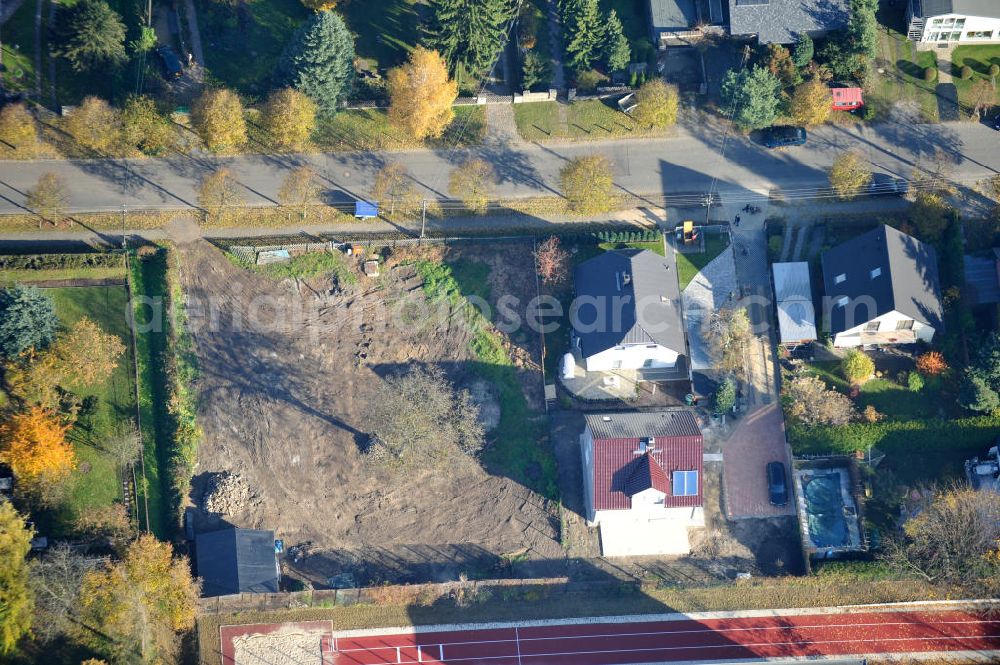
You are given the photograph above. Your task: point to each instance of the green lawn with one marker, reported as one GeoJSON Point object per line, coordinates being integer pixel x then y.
{"type": "Point", "coordinates": [369, 129]}
{"type": "Point", "coordinates": [590, 119]}
{"type": "Point", "coordinates": [309, 265]}
{"type": "Point", "coordinates": [978, 58]}
{"type": "Point", "coordinates": [18, 49]}
{"type": "Point", "coordinates": [245, 56]}
{"type": "Point", "coordinates": [653, 246]}
{"type": "Point", "coordinates": [634, 15]}
{"type": "Point", "coordinates": [96, 481]}
{"type": "Point", "coordinates": [387, 30]}
{"type": "Point", "coordinates": [688, 265]}
{"type": "Point", "coordinates": [40, 277]}
{"type": "Point", "coordinates": [902, 77]}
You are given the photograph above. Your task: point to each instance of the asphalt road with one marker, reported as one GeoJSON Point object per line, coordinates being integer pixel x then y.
{"type": "Point", "coordinates": [685, 164]}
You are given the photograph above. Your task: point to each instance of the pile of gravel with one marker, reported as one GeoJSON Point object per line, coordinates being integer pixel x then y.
{"type": "Point", "coordinates": [228, 493]}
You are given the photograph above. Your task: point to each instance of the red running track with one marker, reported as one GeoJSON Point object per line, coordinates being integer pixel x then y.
{"type": "Point", "coordinates": [666, 641]}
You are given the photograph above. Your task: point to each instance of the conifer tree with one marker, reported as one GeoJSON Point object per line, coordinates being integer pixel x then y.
{"type": "Point", "coordinates": [319, 60]}
{"type": "Point", "coordinates": [470, 32]}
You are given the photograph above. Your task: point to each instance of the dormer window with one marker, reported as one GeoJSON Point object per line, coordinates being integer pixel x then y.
{"type": "Point", "coordinates": [840, 279]}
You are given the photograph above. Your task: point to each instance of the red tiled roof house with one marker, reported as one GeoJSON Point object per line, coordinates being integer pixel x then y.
{"type": "Point", "coordinates": [642, 477]}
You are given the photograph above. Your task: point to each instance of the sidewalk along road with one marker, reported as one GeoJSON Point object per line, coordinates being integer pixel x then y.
{"type": "Point", "coordinates": [685, 639]}
{"type": "Point", "coordinates": [689, 162]}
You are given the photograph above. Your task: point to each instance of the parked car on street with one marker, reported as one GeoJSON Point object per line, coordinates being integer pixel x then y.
{"type": "Point", "coordinates": [782, 136]}
{"type": "Point", "coordinates": [171, 62]}
{"type": "Point", "coordinates": [777, 487]}
{"type": "Point", "coordinates": [883, 184]}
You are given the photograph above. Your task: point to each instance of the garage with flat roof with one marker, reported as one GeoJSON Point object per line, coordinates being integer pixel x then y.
{"type": "Point", "coordinates": [793, 296]}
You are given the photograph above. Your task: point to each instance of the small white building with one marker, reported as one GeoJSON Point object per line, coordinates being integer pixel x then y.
{"type": "Point", "coordinates": [793, 298]}
{"type": "Point", "coordinates": [627, 312]}
{"type": "Point", "coordinates": [882, 288]}
{"type": "Point", "coordinates": [953, 21]}
{"type": "Point", "coordinates": [642, 478]}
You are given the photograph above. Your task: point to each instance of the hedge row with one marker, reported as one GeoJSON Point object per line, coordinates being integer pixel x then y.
{"type": "Point", "coordinates": [60, 261]}
{"type": "Point", "coordinates": [913, 436]}
{"type": "Point", "coordinates": [645, 235]}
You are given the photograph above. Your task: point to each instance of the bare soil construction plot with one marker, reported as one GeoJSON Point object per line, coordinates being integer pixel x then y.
{"type": "Point", "coordinates": [285, 371]}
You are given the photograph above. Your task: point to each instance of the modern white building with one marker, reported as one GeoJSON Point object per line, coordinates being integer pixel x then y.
{"type": "Point", "coordinates": [953, 21]}
{"type": "Point", "coordinates": [627, 313]}
{"type": "Point", "coordinates": [642, 480]}
{"type": "Point", "coordinates": [882, 288]}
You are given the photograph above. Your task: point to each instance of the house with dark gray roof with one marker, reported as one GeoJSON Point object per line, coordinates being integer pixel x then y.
{"type": "Point", "coordinates": [627, 313]}
{"type": "Point", "coordinates": [882, 288]}
{"type": "Point", "coordinates": [642, 480]}
{"type": "Point", "coordinates": [953, 21]}
{"type": "Point", "coordinates": [783, 21]}
{"type": "Point", "coordinates": [232, 560]}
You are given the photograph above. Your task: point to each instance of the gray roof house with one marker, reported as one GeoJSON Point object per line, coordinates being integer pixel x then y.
{"type": "Point", "coordinates": [882, 287]}
{"type": "Point", "coordinates": [678, 18]}
{"type": "Point", "coordinates": [627, 313]}
{"type": "Point", "coordinates": [232, 561]}
{"type": "Point", "coordinates": [782, 21]}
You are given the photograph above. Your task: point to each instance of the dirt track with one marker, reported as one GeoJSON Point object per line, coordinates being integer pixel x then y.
{"type": "Point", "coordinates": [285, 370]}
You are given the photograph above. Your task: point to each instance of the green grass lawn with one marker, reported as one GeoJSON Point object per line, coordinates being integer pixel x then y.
{"type": "Point", "coordinates": [978, 58]}
{"type": "Point", "coordinates": [590, 119]}
{"type": "Point", "coordinates": [19, 49]}
{"type": "Point", "coordinates": [40, 277]}
{"type": "Point", "coordinates": [309, 265]}
{"type": "Point", "coordinates": [369, 129]}
{"type": "Point", "coordinates": [688, 265]}
{"type": "Point", "coordinates": [634, 15]}
{"type": "Point", "coordinates": [245, 56]}
{"type": "Point", "coordinates": [96, 481]}
{"type": "Point", "coordinates": [387, 30]}
{"type": "Point", "coordinates": [902, 77]}
{"type": "Point", "coordinates": [653, 246]}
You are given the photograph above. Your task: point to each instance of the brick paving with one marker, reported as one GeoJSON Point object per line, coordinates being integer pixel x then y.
{"type": "Point", "coordinates": [759, 438]}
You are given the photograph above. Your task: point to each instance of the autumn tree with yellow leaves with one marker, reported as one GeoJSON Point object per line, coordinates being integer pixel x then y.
{"type": "Point", "coordinates": [810, 103]}
{"type": "Point", "coordinates": [142, 602]}
{"type": "Point", "coordinates": [15, 597]}
{"type": "Point", "coordinates": [421, 95]}
{"type": "Point", "coordinates": [18, 132]}
{"type": "Point", "coordinates": [34, 444]}
{"type": "Point", "coordinates": [217, 116]}
{"type": "Point", "coordinates": [289, 117]}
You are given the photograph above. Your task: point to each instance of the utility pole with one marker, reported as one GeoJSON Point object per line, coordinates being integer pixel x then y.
{"type": "Point", "coordinates": [124, 210]}
{"type": "Point", "coordinates": [423, 217]}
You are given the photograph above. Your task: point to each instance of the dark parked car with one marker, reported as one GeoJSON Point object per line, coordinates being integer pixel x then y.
{"type": "Point", "coordinates": [777, 488]}
{"type": "Point", "coordinates": [883, 184]}
{"type": "Point", "coordinates": [171, 62]}
{"type": "Point", "coordinates": [782, 136]}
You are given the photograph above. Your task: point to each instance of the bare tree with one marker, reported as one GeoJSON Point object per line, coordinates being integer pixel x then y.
{"type": "Point", "coordinates": [48, 198]}
{"type": "Point", "coordinates": [552, 261]}
{"type": "Point", "coordinates": [810, 402]}
{"type": "Point", "coordinates": [299, 190]}
{"type": "Point", "coordinates": [953, 539]}
{"type": "Point", "coordinates": [124, 444]}
{"type": "Point", "coordinates": [473, 182]}
{"type": "Point", "coordinates": [218, 193]}
{"type": "Point", "coordinates": [393, 183]}
{"type": "Point", "coordinates": [419, 419]}
{"type": "Point", "coordinates": [56, 579]}
{"type": "Point", "coordinates": [728, 332]}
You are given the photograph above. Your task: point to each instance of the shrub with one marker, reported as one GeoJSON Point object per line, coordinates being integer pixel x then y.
{"type": "Point", "coordinates": [857, 367]}
{"type": "Point", "coordinates": [994, 70]}
{"type": "Point", "coordinates": [930, 74]}
{"type": "Point", "coordinates": [966, 73]}
{"type": "Point", "coordinates": [915, 382]}
{"type": "Point", "coordinates": [931, 363]}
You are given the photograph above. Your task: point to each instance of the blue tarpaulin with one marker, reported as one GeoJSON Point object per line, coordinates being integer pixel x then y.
{"type": "Point", "coordinates": [365, 209]}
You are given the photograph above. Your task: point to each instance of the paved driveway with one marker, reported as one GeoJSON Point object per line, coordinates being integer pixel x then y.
{"type": "Point", "coordinates": [758, 439]}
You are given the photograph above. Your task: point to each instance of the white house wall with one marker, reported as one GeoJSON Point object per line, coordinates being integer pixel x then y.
{"type": "Point", "coordinates": [972, 24]}
{"type": "Point", "coordinates": [644, 533]}
{"type": "Point", "coordinates": [631, 356]}
{"type": "Point", "coordinates": [887, 324]}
